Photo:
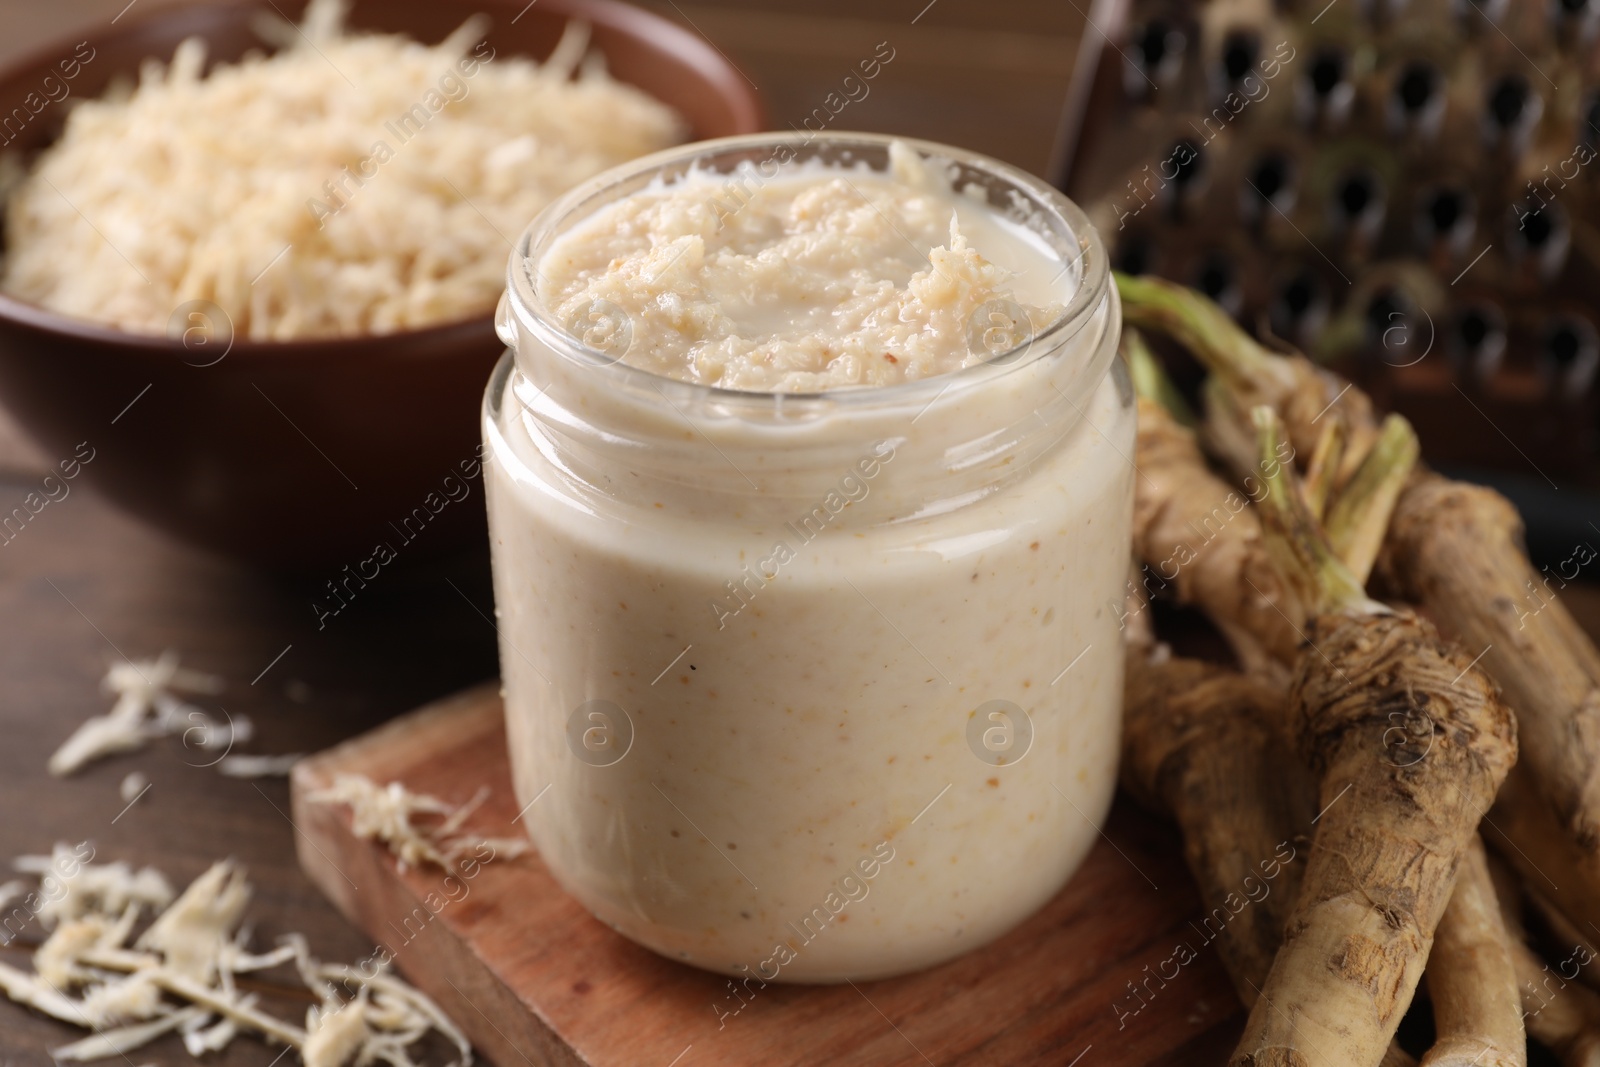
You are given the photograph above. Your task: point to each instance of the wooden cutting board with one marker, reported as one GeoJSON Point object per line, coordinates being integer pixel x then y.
{"type": "Point", "coordinates": [1092, 980]}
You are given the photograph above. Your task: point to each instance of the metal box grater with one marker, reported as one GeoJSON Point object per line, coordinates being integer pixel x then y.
{"type": "Point", "coordinates": [1408, 190]}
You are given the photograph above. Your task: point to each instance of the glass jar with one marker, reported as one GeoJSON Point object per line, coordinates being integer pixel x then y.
{"type": "Point", "coordinates": [813, 687]}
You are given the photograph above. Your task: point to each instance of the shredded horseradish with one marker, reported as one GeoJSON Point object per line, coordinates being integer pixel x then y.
{"type": "Point", "coordinates": [385, 813]}
{"type": "Point", "coordinates": [818, 278]}
{"type": "Point", "coordinates": [347, 184]}
{"type": "Point", "coordinates": [181, 973]}
{"type": "Point", "coordinates": [71, 889]}
{"type": "Point", "coordinates": [148, 707]}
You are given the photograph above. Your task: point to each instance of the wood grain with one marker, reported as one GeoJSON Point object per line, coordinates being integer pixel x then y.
{"type": "Point", "coordinates": [83, 585]}
{"type": "Point", "coordinates": [532, 977]}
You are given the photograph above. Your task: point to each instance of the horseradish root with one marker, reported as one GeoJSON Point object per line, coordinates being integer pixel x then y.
{"type": "Point", "coordinates": [1199, 744]}
{"type": "Point", "coordinates": [1472, 982]}
{"type": "Point", "coordinates": [1456, 550]}
{"type": "Point", "coordinates": [1198, 534]}
{"type": "Point", "coordinates": [1562, 1016]}
{"type": "Point", "coordinates": [1193, 530]}
{"type": "Point", "coordinates": [1205, 745]}
{"type": "Point", "coordinates": [1395, 818]}
{"type": "Point", "coordinates": [1524, 832]}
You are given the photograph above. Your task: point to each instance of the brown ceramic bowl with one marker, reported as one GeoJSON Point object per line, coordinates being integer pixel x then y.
{"type": "Point", "coordinates": [303, 454]}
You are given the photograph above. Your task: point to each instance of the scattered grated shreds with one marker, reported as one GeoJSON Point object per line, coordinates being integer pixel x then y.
{"type": "Point", "coordinates": [385, 813]}
{"type": "Point", "coordinates": [179, 975]}
{"type": "Point", "coordinates": [241, 765]}
{"type": "Point", "coordinates": [70, 887]}
{"type": "Point", "coordinates": [191, 933]}
{"type": "Point", "coordinates": [133, 784]}
{"type": "Point", "coordinates": [147, 707]}
{"type": "Point", "coordinates": [347, 184]}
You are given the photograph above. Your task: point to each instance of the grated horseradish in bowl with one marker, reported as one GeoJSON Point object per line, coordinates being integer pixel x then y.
{"type": "Point", "coordinates": [310, 309]}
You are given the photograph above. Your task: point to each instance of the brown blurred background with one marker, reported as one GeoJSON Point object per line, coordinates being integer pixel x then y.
{"type": "Point", "coordinates": [989, 76]}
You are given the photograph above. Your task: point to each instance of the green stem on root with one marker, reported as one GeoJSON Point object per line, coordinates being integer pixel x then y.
{"type": "Point", "coordinates": [1359, 519]}
{"type": "Point", "coordinates": [1323, 468]}
{"type": "Point", "coordinates": [1150, 379]}
{"type": "Point", "coordinates": [1205, 330]}
{"type": "Point", "coordinates": [1297, 544]}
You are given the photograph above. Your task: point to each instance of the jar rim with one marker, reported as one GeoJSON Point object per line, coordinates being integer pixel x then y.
{"type": "Point", "coordinates": [524, 302]}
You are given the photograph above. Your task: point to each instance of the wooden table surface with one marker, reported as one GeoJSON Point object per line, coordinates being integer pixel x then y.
{"type": "Point", "coordinates": [82, 585]}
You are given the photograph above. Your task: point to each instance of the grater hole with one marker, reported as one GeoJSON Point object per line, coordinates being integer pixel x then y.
{"type": "Point", "coordinates": [1356, 195]}
{"type": "Point", "coordinates": [1327, 71]}
{"type": "Point", "coordinates": [1240, 50]}
{"type": "Point", "coordinates": [1298, 296]}
{"type": "Point", "coordinates": [1270, 178]}
{"type": "Point", "coordinates": [1508, 101]}
{"type": "Point", "coordinates": [1218, 279]}
{"type": "Point", "coordinates": [1154, 54]}
{"type": "Point", "coordinates": [1543, 237]}
{"type": "Point", "coordinates": [1474, 329]}
{"type": "Point", "coordinates": [1570, 353]}
{"type": "Point", "coordinates": [1299, 306]}
{"type": "Point", "coordinates": [1216, 276]}
{"type": "Point", "coordinates": [1447, 214]}
{"type": "Point", "coordinates": [1152, 45]}
{"type": "Point", "coordinates": [1445, 210]}
{"type": "Point", "coordinates": [1477, 339]}
{"type": "Point", "coordinates": [1417, 84]}
{"type": "Point", "coordinates": [1385, 310]}
{"type": "Point", "coordinates": [1538, 229]}
{"type": "Point", "coordinates": [1563, 346]}
{"type": "Point", "coordinates": [1187, 163]}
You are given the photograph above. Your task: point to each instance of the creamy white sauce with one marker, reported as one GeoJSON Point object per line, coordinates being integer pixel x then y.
{"type": "Point", "coordinates": [805, 622]}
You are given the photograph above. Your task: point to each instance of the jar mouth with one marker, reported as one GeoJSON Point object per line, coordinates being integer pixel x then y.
{"type": "Point", "coordinates": [1012, 192]}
